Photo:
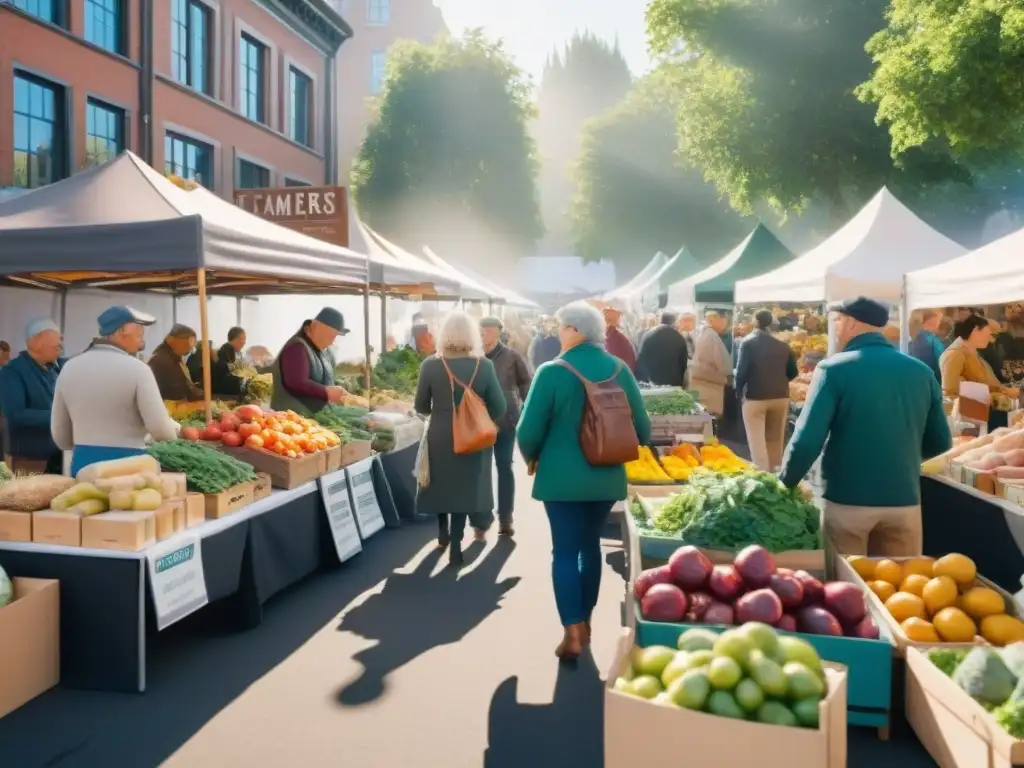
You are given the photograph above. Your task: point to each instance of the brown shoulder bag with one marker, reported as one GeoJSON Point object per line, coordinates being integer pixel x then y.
{"type": "Point", "coordinates": [472, 427]}
{"type": "Point", "coordinates": [607, 434]}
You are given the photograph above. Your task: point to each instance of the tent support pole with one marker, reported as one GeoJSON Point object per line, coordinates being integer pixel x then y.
{"type": "Point", "coordinates": [367, 371]}
{"type": "Point", "coordinates": [204, 333]}
{"type": "Point", "coordinates": [383, 321]}
{"type": "Point", "coordinates": [174, 309]}
{"type": "Point", "coordinates": [63, 309]}
{"type": "Point", "coordinates": [238, 310]}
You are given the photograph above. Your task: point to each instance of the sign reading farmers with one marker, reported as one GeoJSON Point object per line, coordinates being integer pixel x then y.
{"type": "Point", "coordinates": [320, 212]}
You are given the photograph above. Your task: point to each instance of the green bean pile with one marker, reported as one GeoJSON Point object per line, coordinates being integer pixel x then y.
{"type": "Point", "coordinates": [206, 470]}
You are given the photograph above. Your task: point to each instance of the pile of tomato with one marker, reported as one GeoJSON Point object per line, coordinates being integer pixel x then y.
{"type": "Point", "coordinates": [284, 433]}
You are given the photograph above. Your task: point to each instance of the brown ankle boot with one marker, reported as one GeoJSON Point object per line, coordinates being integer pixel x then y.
{"type": "Point", "coordinates": [572, 642]}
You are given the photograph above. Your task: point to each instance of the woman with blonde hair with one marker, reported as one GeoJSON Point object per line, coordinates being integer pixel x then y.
{"type": "Point", "coordinates": [460, 486]}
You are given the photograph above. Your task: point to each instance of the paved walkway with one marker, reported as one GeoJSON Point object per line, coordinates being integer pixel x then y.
{"type": "Point", "coordinates": [371, 668]}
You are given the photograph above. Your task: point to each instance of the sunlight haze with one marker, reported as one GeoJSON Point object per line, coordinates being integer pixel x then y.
{"type": "Point", "coordinates": [532, 29]}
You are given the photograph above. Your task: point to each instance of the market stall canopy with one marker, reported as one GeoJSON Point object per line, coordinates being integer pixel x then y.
{"type": "Point", "coordinates": [641, 278]}
{"type": "Point", "coordinates": [509, 298]}
{"type": "Point", "coordinates": [758, 252]}
{"type": "Point", "coordinates": [388, 261]}
{"type": "Point", "coordinates": [992, 274]}
{"type": "Point", "coordinates": [652, 281]}
{"type": "Point", "coordinates": [684, 266]}
{"type": "Point", "coordinates": [122, 225]}
{"type": "Point", "coordinates": [866, 257]}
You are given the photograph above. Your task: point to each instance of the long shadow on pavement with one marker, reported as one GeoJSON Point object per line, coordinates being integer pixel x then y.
{"type": "Point", "coordinates": [419, 611]}
{"type": "Point", "coordinates": [196, 669]}
{"type": "Point", "coordinates": [567, 732]}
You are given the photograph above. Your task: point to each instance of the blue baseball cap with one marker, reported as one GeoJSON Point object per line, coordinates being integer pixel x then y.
{"type": "Point", "coordinates": [332, 318]}
{"type": "Point", "coordinates": [40, 325]}
{"type": "Point", "coordinates": [865, 310]}
{"type": "Point", "coordinates": [116, 316]}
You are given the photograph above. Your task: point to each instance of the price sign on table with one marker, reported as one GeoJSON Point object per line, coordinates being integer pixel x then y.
{"type": "Point", "coordinates": [334, 491]}
{"type": "Point", "coordinates": [177, 578]}
{"type": "Point", "coordinates": [364, 497]}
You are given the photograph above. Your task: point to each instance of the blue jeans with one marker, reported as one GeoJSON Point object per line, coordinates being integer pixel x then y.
{"type": "Point", "coordinates": [576, 556]}
{"type": "Point", "coordinates": [504, 452]}
{"type": "Point", "coordinates": [84, 455]}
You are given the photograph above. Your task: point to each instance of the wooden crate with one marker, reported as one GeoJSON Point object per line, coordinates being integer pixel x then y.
{"type": "Point", "coordinates": [284, 472]}
{"type": "Point", "coordinates": [221, 504]}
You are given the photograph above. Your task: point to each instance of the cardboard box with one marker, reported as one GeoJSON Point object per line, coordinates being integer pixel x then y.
{"type": "Point", "coordinates": [353, 452]}
{"type": "Point", "coordinates": [262, 487]}
{"type": "Point", "coordinates": [980, 479]}
{"type": "Point", "coordinates": [61, 528]}
{"type": "Point", "coordinates": [15, 526]}
{"type": "Point", "coordinates": [170, 518]}
{"type": "Point", "coordinates": [30, 639]}
{"type": "Point", "coordinates": [331, 459]}
{"type": "Point", "coordinates": [1012, 492]}
{"type": "Point", "coordinates": [123, 531]}
{"type": "Point", "coordinates": [844, 572]}
{"type": "Point", "coordinates": [703, 739]}
{"type": "Point", "coordinates": [954, 728]}
{"type": "Point", "coordinates": [195, 509]}
{"type": "Point", "coordinates": [221, 504]}
{"type": "Point", "coordinates": [179, 482]}
{"type": "Point", "coordinates": [284, 472]}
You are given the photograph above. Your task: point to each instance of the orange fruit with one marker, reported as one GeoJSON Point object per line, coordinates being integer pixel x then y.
{"type": "Point", "coordinates": [979, 602]}
{"type": "Point", "coordinates": [864, 567]}
{"type": "Point", "coordinates": [914, 584]}
{"type": "Point", "coordinates": [883, 589]}
{"type": "Point", "coordinates": [954, 626]}
{"type": "Point", "coordinates": [1002, 630]}
{"type": "Point", "coordinates": [904, 605]}
{"type": "Point", "coordinates": [889, 570]}
{"type": "Point", "coordinates": [919, 630]}
{"type": "Point", "coordinates": [939, 593]}
{"type": "Point", "coordinates": [958, 567]}
{"type": "Point", "coordinates": [921, 565]}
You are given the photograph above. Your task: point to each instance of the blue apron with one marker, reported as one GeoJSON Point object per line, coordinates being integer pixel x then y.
{"type": "Point", "coordinates": [84, 455]}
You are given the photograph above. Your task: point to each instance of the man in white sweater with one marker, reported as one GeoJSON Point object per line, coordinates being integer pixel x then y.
{"type": "Point", "coordinates": [107, 401]}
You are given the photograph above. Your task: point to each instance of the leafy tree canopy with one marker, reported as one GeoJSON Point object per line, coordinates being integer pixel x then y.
{"type": "Point", "coordinates": [950, 70]}
{"type": "Point", "coordinates": [766, 109]}
{"type": "Point", "coordinates": [448, 159]}
{"type": "Point", "coordinates": [631, 197]}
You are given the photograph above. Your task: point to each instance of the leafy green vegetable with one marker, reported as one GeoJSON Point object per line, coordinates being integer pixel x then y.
{"type": "Point", "coordinates": [207, 470]}
{"type": "Point", "coordinates": [398, 370]}
{"type": "Point", "coordinates": [720, 511]}
{"type": "Point", "coordinates": [671, 404]}
{"type": "Point", "coordinates": [946, 659]}
{"type": "Point", "coordinates": [344, 421]}
{"type": "Point", "coordinates": [1011, 717]}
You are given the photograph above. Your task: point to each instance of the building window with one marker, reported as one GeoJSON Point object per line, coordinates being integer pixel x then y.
{"type": "Point", "coordinates": [104, 133]}
{"type": "Point", "coordinates": [378, 62]}
{"type": "Point", "coordinates": [47, 10]}
{"type": "Point", "coordinates": [300, 93]}
{"type": "Point", "coordinates": [188, 159]}
{"type": "Point", "coordinates": [378, 12]}
{"type": "Point", "coordinates": [39, 148]}
{"type": "Point", "coordinates": [104, 24]}
{"type": "Point", "coordinates": [252, 176]}
{"type": "Point", "coordinates": [252, 56]}
{"type": "Point", "coordinates": [295, 183]}
{"type": "Point", "coordinates": [190, 44]}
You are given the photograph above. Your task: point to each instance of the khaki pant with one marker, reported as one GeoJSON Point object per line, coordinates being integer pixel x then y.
{"type": "Point", "coordinates": [874, 531]}
{"type": "Point", "coordinates": [765, 423]}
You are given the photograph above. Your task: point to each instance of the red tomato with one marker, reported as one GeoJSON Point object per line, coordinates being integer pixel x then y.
{"type": "Point", "coordinates": [248, 412]}
{"type": "Point", "coordinates": [229, 423]}
{"type": "Point", "coordinates": [190, 433]}
{"type": "Point", "coordinates": [247, 430]}
{"type": "Point", "coordinates": [212, 432]}
{"type": "Point", "coordinates": [231, 439]}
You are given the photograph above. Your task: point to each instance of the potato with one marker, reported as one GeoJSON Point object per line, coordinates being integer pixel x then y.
{"type": "Point", "coordinates": [1009, 442]}
{"type": "Point", "coordinates": [1014, 458]}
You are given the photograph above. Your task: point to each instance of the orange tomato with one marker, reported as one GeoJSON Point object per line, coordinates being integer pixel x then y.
{"type": "Point", "coordinates": [248, 430]}
{"type": "Point", "coordinates": [292, 455]}
{"type": "Point", "coordinates": [268, 437]}
{"type": "Point", "coordinates": [279, 449]}
{"type": "Point", "coordinates": [254, 442]}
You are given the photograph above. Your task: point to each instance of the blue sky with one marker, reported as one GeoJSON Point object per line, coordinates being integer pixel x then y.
{"type": "Point", "coordinates": [532, 28]}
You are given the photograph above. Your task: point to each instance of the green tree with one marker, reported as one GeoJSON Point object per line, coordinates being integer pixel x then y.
{"type": "Point", "coordinates": [632, 198]}
{"type": "Point", "coordinates": [448, 159]}
{"type": "Point", "coordinates": [951, 71]}
{"type": "Point", "coordinates": [586, 79]}
{"type": "Point", "coordinates": [766, 104]}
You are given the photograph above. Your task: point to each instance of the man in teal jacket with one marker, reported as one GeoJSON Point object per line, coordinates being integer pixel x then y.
{"type": "Point", "coordinates": [881, 413]}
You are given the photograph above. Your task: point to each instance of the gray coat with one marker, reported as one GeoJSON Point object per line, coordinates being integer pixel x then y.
{"type": "Point", "coordinates": [764, 367]}
{"type": "Point", "coordinates": [458, 484]}
{"type": "Point", "coordinates": [514, 378]}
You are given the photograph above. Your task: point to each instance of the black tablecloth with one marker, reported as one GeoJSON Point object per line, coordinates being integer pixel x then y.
{"type": "Point", "coordinates": [398, 470]}
{"type": "Point", "coordinates": [957, 521]}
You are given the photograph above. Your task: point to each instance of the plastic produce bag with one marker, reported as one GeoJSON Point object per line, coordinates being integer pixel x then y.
{"type": "Point", "coordinates": [421, 469]}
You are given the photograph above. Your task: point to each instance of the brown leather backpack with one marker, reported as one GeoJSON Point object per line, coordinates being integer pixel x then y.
{"type": "Point", "coordinates": [472, 427]}
{"type": "Point", "coordinates": [607, 435]}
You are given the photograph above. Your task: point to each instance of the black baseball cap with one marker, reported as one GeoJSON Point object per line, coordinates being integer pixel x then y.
{"type": "Point", "coordinates": [332, 318]}
{"type": "Point", "coordinates": [863, 309]}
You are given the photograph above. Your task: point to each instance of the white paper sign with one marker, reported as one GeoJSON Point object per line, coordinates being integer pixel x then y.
{"type": "Point", "coordinates": [177, 578]}
{"type": "Point", "coordinates": [334, 491]}
{"type": "Point", "coordinates": [364, 498]}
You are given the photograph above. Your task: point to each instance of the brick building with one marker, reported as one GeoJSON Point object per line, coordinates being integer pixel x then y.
{"type": "Point", "coordinates": [361, 61]}
{"type": "Point", "coordinates": [233, 93]}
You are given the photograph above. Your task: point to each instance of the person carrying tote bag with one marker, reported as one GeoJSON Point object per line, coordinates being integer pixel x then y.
{"type": "Point", "coordinates": [458, 388]}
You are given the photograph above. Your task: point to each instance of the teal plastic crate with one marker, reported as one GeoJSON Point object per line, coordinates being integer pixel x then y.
{"type": "Point", "coordinates": [869, 683]}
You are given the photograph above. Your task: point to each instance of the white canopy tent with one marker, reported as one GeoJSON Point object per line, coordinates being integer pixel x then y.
{"type": "Point", "coordinates": [653, 281]}
{"type": "Point", "coordinates": [868, 256]}
{"type": "Point", "coordinates": [682, 294]}
{"type": "Point", "coordinates": [993, 274]}
{"type": "Point", "coordinates": [507, 297]}
{"type": "Point", "coordinates": [641, 278]}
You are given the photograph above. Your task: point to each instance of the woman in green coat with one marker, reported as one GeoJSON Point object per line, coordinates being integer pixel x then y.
{"type": "Point", "coordinates": [460, 485]}
{"type": "Point", "coordinates": [576, 495]}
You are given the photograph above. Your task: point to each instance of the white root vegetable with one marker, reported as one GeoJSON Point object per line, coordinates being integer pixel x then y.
{"type": "Point", "coordinates": [117, 467]}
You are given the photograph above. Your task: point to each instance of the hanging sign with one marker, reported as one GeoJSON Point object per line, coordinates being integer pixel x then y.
{"type": "Point", "coordinates": [338, 505]}
{"type": "Point", "coordinates": [177, 578]}
{"type": "Point", "coordinates": [364, 498]}
{"type": "Point", "coordinates": [320, 212]}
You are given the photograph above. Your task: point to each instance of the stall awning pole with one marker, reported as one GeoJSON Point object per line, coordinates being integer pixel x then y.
{"type": "Point", "coordinates": [204, 332]}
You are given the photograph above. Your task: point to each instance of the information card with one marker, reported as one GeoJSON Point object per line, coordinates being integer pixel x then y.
{"type": "Point", "coordinates": [364, 497]}
{"type": "Point", "coordinates": [177, 578]}
{"type": "Point", "coordinates": [334, 491]}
